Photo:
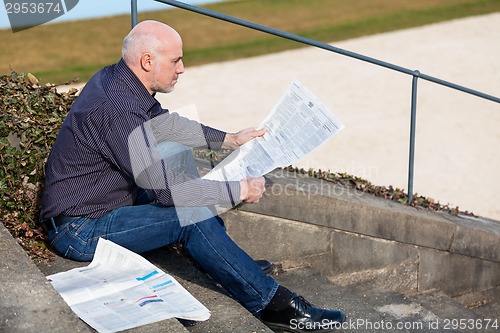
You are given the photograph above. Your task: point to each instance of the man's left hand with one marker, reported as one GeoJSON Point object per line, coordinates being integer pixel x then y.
{"type": "Point", "coordinates": [234, 140]}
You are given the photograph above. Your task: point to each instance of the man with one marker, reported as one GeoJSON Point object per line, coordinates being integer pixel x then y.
{"type": "Point", "coordinates": [141, 192]}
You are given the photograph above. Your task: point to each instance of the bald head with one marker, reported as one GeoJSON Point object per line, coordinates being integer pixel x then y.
{"type": "Point", "coordinates": [153, 51]}
{"type": "Point", "coordinates": [147, 37]}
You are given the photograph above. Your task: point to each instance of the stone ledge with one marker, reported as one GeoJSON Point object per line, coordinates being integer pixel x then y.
{"type": "Point", "coordinates": [477, 237]}
{"type": "Point", "coordinates": [351, 258]}
{"type": "Point", "coordinates": [29, 303]}
{"type": "Point", "coordinates": [369, 237]}
{"type": "Point", "coordinates": [323, 203]}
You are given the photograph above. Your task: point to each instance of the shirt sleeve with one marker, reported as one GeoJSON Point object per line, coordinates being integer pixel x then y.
{"type": "Point", "coordinates": [132, 145]}
{"type": "Point", "coordinates": [173, 127]}
{"type": "Point", "coordinates": [172, 186]}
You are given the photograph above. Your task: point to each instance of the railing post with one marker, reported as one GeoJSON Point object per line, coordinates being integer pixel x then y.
{"type": "Point", "coordinates": [133, 12]}
{"type": "Point", "coordinates": [413, 124]}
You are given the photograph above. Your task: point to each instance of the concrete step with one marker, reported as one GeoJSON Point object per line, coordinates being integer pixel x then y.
{"type": "Point", "coordinates": [34, 306]}
{"type": "Point", "coordinates": [373, 309]}
{"type": "Point", "coordinates": [485, 303]}
{"type": "Point", "coordinates": [59, 264]}
{"type": "Point", "coordinates": [28, 303]}
{"type": "Point", "coordinates": [452, 313]}
{"type": "Point", "coordinates": [227, 316]}
{"type": "Point", "coordinates": [472, 312]}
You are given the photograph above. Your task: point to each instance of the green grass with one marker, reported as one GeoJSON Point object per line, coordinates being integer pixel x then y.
{"type": "Point", "coordinates": [65, 51]}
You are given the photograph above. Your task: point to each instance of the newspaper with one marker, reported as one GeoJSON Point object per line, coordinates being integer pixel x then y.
{"type": "Point", "coordinates": [120, 290]}
{"type": "Point", "coordinates": [297, 125]}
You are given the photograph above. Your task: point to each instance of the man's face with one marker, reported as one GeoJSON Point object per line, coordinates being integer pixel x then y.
{"type": "Point", "coordinates": [168, 67]}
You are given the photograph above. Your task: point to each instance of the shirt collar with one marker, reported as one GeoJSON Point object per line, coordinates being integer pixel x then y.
{"type": "Point", "coordinates": [148, 102]}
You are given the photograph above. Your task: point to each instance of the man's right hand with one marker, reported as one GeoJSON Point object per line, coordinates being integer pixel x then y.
{"type": "Point", "coordinates": [252, 189]}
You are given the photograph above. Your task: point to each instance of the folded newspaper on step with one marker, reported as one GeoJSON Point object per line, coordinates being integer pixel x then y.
{"type": "Point", "coordinates": [120, 290]}
{"type": "Point", "coordinates": [297, 125]}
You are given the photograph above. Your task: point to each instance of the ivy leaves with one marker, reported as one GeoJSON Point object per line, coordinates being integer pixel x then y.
{"type": "Point", "coordinates": [31, 116]}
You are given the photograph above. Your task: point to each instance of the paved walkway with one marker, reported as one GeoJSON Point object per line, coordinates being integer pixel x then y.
{"type": "Point", "coordinates": [457, 154]}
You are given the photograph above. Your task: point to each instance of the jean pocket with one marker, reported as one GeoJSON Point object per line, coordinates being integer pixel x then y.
{"type": "Point", "coordinates": [82, 228]}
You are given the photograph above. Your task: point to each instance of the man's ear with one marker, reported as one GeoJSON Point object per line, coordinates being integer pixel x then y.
{"type": "Point", "coordinates": [147, 62]}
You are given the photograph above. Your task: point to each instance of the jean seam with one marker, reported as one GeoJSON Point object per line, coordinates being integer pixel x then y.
{"type": "Point", "coordinates": [269, 298]}
{"type": "Point", "coordinates": [264, 301]}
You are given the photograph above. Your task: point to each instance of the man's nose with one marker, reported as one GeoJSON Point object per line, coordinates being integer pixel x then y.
{"type": "Point", "coordinates": [180, 67]}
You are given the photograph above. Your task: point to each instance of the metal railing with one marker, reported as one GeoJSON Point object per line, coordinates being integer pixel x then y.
{"type": "Point", "coordinates": [414, 73]}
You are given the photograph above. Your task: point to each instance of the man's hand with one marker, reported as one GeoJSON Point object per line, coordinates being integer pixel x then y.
{"type": "Point", "coordinates": [234, 140]}
{"type": "Point", "coordinates": [252, 189]}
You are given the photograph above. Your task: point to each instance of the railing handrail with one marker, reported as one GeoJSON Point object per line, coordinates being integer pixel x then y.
{"type": "Point", "coordinates": [414, 73]}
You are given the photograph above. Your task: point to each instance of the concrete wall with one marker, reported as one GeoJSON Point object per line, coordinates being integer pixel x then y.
{"type": "Point", "coordinates": [352, 237]}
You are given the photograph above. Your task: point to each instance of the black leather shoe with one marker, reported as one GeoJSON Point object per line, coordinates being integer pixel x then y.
{"type": "Point", "coordinates": [301, 316]}
{"type": "Point", "coordinates": [266, 266]}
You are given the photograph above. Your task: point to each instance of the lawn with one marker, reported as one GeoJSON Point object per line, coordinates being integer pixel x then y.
{"type": "Point", "coordinates": [65, 51]}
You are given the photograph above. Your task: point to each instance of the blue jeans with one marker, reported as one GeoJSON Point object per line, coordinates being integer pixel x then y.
{"type": "Point", "coordinates": [144, 227]}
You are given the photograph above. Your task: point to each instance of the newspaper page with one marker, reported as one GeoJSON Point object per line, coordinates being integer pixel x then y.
{"type": "Point", "coordinates": [120, 290]}
{"type": "Point", "coordinates": [297, 125]}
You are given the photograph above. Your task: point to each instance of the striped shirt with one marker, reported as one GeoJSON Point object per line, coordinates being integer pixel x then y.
{"type": "Point", "coordinates": [89, 171]}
